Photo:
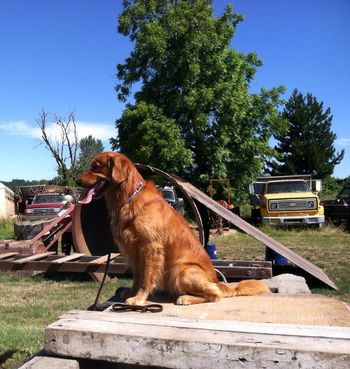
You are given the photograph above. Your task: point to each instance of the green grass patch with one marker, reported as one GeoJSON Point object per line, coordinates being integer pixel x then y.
{"type": "Point", "coordinates": [6, 229]}
{"type": "Point", "coordinates": [29, 304]}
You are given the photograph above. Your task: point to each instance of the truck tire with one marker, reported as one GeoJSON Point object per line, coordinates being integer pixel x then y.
{"type": "Point", "coordinates": [256, 216]}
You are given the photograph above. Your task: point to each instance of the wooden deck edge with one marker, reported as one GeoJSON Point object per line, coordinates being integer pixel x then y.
{"type": "Point", "coordinates": [45, 362]}
{"type": "Point", "coordinates": [149, 339]}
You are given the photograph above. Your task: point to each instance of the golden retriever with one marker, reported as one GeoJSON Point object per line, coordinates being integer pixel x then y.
{"type": "Point", "coordinates": [162, 251]}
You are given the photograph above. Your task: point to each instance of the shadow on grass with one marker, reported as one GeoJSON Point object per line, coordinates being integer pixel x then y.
{"type": "Point", "coordinates": [64, 276]}
{"type": "Point", "coordinates": [6, 355]}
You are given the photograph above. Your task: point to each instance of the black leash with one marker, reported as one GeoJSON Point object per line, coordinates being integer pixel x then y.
{"type": "Point", "coordinates": [93, 306]}
{"type": "Point", "coordinates": [121, 307]}
{"type": "Point", "coordinates": [152, 308]}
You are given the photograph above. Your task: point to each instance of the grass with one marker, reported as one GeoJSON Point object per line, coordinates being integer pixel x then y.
{"type": "Point", "coordinates": [6, 228]}
{"type": "Point", "coordinates": [29, 304]}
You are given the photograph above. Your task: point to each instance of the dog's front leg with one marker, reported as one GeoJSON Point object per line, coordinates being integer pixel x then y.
{"type": "Point", "coordinates": [146, 272]}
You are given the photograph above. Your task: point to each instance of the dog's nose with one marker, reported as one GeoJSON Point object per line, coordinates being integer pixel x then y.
{"type": "Point", "coordinates": [78, 182]}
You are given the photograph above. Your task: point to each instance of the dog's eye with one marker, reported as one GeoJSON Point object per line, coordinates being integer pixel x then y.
{"type": "Point", "coordinates": [94, 167]}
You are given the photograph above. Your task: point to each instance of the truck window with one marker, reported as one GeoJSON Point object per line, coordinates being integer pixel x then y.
{"type": "Point", "coordinates": [45, 199]}
{"type": "Point", "coordinates": [169, 195]}
{"type": "Point", "coordinates": [287, 186]}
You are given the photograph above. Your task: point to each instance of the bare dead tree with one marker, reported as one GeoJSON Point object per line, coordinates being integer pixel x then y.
{"type": "Point", "coordinates": [63, 144]}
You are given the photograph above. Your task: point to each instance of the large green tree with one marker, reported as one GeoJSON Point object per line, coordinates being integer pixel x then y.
{"type": "Point", "coordinates": [308, 147]}
{"type": "Point", "coordinates": [192, 112]}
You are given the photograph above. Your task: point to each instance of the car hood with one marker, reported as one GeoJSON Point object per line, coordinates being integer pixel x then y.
{"type": "Point", "coordinates": [46, 205]}
{"type": "Point", "coordinates": [289, 195]}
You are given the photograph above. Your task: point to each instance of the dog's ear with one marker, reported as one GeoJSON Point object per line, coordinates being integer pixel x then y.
{"type": "Point", "coordinates": [119, 169]}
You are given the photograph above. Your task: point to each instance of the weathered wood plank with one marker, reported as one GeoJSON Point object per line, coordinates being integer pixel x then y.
{"type": "Point", "coordinates": [7, 255]}
{"type": "Point", "coordinates": [67, 258]}
{"type": "Point", "coordinates": [43, 362]}
{"type": "Point", "coordinates": [248, 263]}
{"type": "Point", "coordinates": [184, 343]}
{"type": "Point", "coordinates": [104, 258]}
{"type": "Point", "coordinates": [298, 330]}
{"type": "Point", "coordinates": [33, 257]}
{"type": "Point", "coordinates": [234, 270]}
{"type": "Point", "coordinates": [71, 266]}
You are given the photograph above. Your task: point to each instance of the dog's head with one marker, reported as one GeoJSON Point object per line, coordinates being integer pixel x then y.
{"type": "Point", "coordinates": [106, 169]}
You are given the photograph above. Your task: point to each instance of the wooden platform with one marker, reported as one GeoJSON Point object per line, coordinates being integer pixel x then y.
{"type": "Point", "coordinates": [78, 262]}
{"type": "Point", "coordinates": [274, 308]}
{"type": "Point", "coordinates": [217, 335]}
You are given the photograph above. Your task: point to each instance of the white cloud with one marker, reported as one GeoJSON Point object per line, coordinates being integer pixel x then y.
{"type": "Point", "coordinates": [102, 131]}
{"type": "Point", "coordinates": [20, 128]}
{"type": "Point", "coordinates": [343, 142]}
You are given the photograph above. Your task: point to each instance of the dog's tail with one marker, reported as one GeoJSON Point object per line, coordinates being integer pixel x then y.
{"type": "Point", "coordinates": [244, 288]}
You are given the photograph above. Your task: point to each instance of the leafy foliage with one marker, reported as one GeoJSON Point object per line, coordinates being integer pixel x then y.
{"type": "Point", "coordinates": [192, 113]}
{"type": "Point", "coordinates": [6, 229]}
{"type": "Point", "coordinates": [16, 183]}
{"type": "Point", "coordinates": [156, 136]}
{"type": "Point", "coordinates": [89, 148]}
{"type": "Point", "coordinates": [308, 148]}
{"type": "Point", "coordinates": [331, 187]}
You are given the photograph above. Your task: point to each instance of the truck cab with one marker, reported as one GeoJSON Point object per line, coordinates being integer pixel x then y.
{"type": "Point", "coordinates": [172, 199]}
{"type": "Point", "coordinates": [338, 209]}
{"type": "Point", "coordinates": [283, 200]}
{"type": "Point", "coordinates": [47, 205]}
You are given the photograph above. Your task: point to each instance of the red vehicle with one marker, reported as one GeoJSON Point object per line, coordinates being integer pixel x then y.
{"type": "Point", "coordinates": [47, 206]}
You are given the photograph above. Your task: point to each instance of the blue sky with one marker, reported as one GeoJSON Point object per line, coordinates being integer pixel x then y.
{"type": "Point", "coordinates": [61, 56]}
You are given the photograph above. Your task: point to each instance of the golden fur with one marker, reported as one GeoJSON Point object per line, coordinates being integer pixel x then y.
{"type": "Point", "coordinates": [159, 246]}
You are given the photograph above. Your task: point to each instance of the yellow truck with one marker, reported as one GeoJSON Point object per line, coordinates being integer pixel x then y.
{"type": "Point", "coordinates": [283, 200]}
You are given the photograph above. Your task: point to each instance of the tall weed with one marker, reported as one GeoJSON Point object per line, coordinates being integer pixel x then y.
{"type": "Point", "coordinates": [6, 228]}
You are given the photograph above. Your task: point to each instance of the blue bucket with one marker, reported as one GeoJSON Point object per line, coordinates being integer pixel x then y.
{"type": "Point", "coordinates": [211, 250]}
{"type": "Point", "coordinates": [275, 258]}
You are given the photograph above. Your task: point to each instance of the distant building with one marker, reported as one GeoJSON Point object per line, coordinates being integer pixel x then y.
{"type": "Point", "coordinates": [7, 202]}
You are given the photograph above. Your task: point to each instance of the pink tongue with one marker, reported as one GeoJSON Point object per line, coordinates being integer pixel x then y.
{"type": "Point", "coordinates": [87, 196]}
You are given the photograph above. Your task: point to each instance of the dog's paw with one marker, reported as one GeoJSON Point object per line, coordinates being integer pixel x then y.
{"type": "Point", "coordinates": [184, 300]}
{"type": "Point", "coordinates": [135, 301]}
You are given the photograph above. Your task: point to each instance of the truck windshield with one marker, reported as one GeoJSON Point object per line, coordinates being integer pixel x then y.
{"type": "Point", "coordinates": [287, 186]}
{"type": "Point", "coordinates": [45, 199]}
{"type": "Point", "coordinates": [169, 195]}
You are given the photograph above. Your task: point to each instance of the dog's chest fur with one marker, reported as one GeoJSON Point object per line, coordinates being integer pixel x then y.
{"type": "Point", "coordinates": [138, 235]}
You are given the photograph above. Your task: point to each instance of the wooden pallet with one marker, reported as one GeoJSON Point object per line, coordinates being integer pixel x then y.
{"type": "Point", "coordinates": [49, 262]}
{"type": "Point", "coordinates": [284, 331]}
{"type": "Point", "coordinates": [179, 342]}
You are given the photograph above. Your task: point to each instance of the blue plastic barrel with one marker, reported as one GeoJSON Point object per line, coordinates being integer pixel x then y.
{"type": "Point", "coordinates": [275, 258]}
{"type": "Point", "coordinates": [210, 248]}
